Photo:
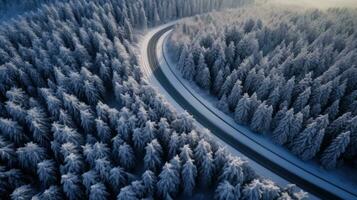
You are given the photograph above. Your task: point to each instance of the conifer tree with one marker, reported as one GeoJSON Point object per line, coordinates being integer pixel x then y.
{"type": "Point", "coordinates": [222, 105]}
{"type": "Point", "coordinates": [242, 110]}
{"type": "Point", "coordinates": [149, 181]}
{"type": "Point", "coordinates": [203, 76]}
{"type": "Point", "coordinates": [188, 174]}
{"type": "Point", "coordinates": [302, 100]}
{"type": "Point", "coordinates": [169, 181]}
{"type": "Point", "coordinates": [189, 70]}
{"type": "Point", "coordinates": [235, 95]}
{"type": "Point", "coordinates": [227, 191]}
{"type": "Point", "coordinates": [288, 127]}
{"type": "Point", "coordinates": [308, 142]}
{"type": "Point", "coordinates": [153, 156]}
{"type": "Point", "coordinates": [262, 118]}
{"type": "Point", "coordinates": [335, 150]}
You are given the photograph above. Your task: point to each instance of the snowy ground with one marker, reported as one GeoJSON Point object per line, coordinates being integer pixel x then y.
{"type": "Point", "coordinates": [344, 178]}
{"type": "Point", "coordinates": [142, 46]}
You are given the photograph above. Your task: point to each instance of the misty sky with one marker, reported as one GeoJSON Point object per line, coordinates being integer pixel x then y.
{"type": "Point", "coordinates": [319, 3]}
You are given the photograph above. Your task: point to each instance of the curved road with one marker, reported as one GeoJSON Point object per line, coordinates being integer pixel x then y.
{"type": "Point", "coordinates": [248, 151]}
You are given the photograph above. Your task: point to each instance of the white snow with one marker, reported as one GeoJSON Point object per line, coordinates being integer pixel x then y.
{"type": "Point", "coordinates": [344, 177]}
{"type": "Point", "coordinates": [341, 177]}
{"type": "Point", "coordinates": [144, 63]}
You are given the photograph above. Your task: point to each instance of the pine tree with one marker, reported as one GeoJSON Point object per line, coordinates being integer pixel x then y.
{"type": "Point", "coordinates": [235, 95]}
{"type": "Point", "coordinates": [206, 169]}
{"type": "Point", "coordinates": [337, 126]}
{"type": "Point", "coordinates": [65, 119]}
{"type": "Point", "coordinates": [173, 145]}
{"type": "Point", "coordinates": [149, 181]}
{"type": "Point", "coordinates": [202, 149]}
{"type": "Point", "coordinates": [12, 130]}
{"type": "Point", "coordinates": [183, 123]}
{"type": "Point", "coordinates": [98, 191]}
{"type": "Point", "coordinates": [87, 120]}
{"type": "Point", "coordinates": [138, 188]}
{"type": "Point", "coordinates": [52, 193]}
{"type": "Point", "coordinates": [95, 151]}
{"type": "Point", "coordinates": [222, 105]}
{"type": "Point", "coordinates": [47, 172]}
{"type": "Point", "coordinates": [302, 100]}
{"type": "Point", "coordinates": [128, 30]}
{"type": "Point", "coordinates": [293, 191]}
{"type": "Point", "coordinates": [220, 157]}
{"type": "Point", "coordinates": [141, 112]}
{"type": "Point", "coordinates": [37, 120]}
{"type": "Point", "coordinates": [17, 112]}
{"type": "Point", "coordinates": [264, 89]}
{"type": "Point", "coordinates": [227, 191]}
{"type": "Point", "coordinates": [71, 186]}
{"type": "Point", "coordinates": [73, 163]}
{"type": "Point", "coordinates": [243, 109]}
{"type": "Point", "coordinates": [308, 142]}
{"type": "Point", "coordinates": [169, 181]}
{"type": "Point", "coordinates": [127, 193]}
{"type": "Point", "coordinates": [163, 131]}
{"type": "Point", "coordinates": [252, 190]}
{"type": "Point", "coordinates": [227, 84]}
{"type": "Point", "coordinates": [103, 130]}
{"type": "Point", "coordinates": [18, 96]}
{"type": "Point", "coordinates": [90, 178]}
{"type": "Point", "coordinates": [230, 53]}
{"type": "Point", "coordinates": [203, 76]}
{"type": "Point", "coordinates": [215, 57]}
{"type": "Point", "coordinates": [218, 82]}
{"type": "Point", "coordinates": [270, 190]}
{"type": "Point", "coordinates": [182, 58]}
{"type": "Point", "coordinates": [176, 164]}
{"type": "Point", "coordinates": [143, 19]}
{"type": "Point", "coordinates": [335, 150]}
{"type": "Point", "coordinates": [278, 117]}
{"type": "Point", "coordinates": [153, 156]}
{"type": "Point", "coordinates": [189, 70]}
{"type": "Point", "coordinates": [188, 174]}
{"type": "Point", "coordinates": [306, 113]}
{"type": "Point", "coordinates": [247, 46]}
{"type": "Point", "coordinates": [118, 178]}
{"type": "Point", "coordinates": [288, 90]}
{"type": "Point", "coordinates": [91, 93]}
{"type": "Point", "coordinates": [262, 118]}
{"type": "Point", "coordinates": [274, 97]}
{"type": "Point", "coordinates": [103, 166]}
{"type": "Point", "coordinates": [30, 155]}
{"type": "Point", "coordinates": [303, 84]}
{"type": "Point", "coordinates": [126, 156]}
{"type": "Point", "coordinates": [254, 105]}
{"type": "Point", "coordinates": [333, 110]}
{"type": "Point", "coordinates": [233, 171]}
{"type": "Point", "coordinates": [24, 192]}
{"type": "Point", "coordinates": [186, 153]}
{"type": "Point", "coordinates": [141, 136]}
{"type": "Point", "coordinates": [288, 127]}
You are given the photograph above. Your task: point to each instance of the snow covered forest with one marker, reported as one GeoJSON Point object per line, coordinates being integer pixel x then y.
{"type": "Point", "coordinates": [77, 120]}
{"type": "Point", "coordinates": [12, 8]}
{"type": "Point", "coordinates": [26, 5]}
{"type": "Point", "coordinates": [289, 74]}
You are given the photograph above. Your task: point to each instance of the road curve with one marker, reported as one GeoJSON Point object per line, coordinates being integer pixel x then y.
{"type": "Point", "coordinates": [248, 151]}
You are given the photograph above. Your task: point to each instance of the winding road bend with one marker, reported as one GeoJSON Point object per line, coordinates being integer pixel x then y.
{"type": "Point", "coordinates": [310, 182]}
